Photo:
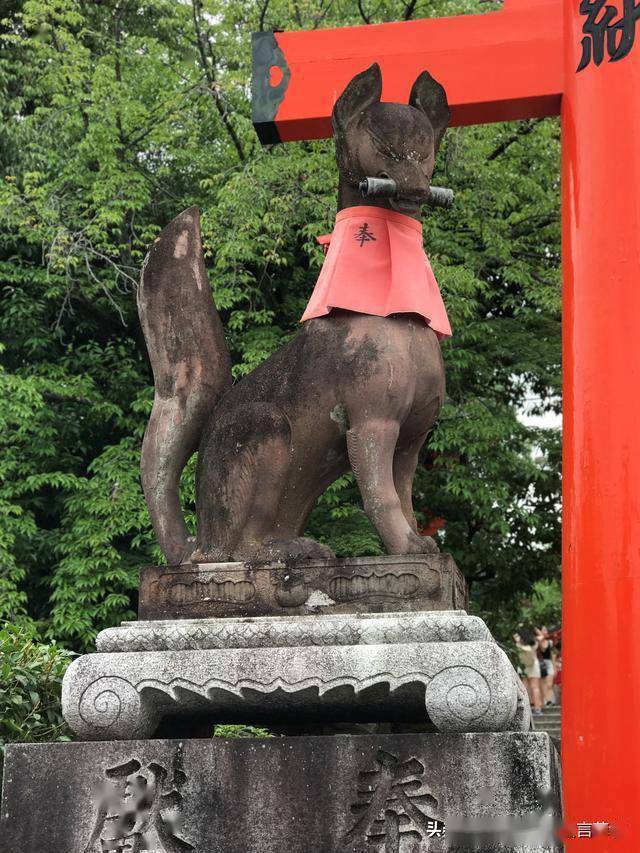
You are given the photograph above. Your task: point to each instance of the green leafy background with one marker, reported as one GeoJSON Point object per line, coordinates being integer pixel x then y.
{"type": "Point", "coordinates": [116, 115]}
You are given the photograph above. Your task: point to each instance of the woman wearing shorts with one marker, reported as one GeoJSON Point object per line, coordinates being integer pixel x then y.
{"type": "Point", "coordinates": [545, 647]}
{"type": "Point", "coordinates": [528, 652]}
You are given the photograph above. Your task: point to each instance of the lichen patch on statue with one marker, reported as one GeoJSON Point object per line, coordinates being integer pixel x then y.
{"type": "Point", "coordinates": [375, 264]}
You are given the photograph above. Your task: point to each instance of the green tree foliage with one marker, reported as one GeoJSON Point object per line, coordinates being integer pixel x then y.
{"type": "Point", "coordinates": [238, 731]}
{"type": "Point", "coordinates": [30, 682]}
{"type": "Point", "coordinates": [543, 606]}
{"type": "Point", "coordinates": [118, 114]}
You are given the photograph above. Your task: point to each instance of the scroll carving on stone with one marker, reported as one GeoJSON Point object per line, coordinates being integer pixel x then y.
{"type": "Point", "coordinates": [181, 592]}
{"type": "Point", "coordinates": [460, 686]}
{"type": "Point", "coordinates": [374, 585]}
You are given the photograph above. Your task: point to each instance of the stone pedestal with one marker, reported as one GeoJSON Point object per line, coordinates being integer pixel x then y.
{"type": "Point", "coordinates": [442, 668]}
{"type": "Point", "coordinates": [380, 640]}
{"type": "Point", "coordinates": [358, 585]}
{"type": "Point", "coordinates": [345, 794]}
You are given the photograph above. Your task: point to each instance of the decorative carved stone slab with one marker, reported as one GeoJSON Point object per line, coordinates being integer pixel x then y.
{"type": "Point", "coordinates": [442, 668]}
{"type": "Point", "coordinates": [361, 584]}
{"type": "Point", "coordinates": [350, 629]}
{"type": "Point", "coordinates": [346, 794]}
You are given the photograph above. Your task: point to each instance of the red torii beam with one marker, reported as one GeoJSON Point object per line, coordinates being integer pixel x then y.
{"type": "Point", "coordinates": [516, 63]}
{"type": "Point", "coordinates": [495, 67]}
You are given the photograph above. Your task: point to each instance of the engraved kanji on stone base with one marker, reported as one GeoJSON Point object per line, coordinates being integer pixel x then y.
{"type": "Point", "coordinates": [139, 809]}
{"type": "Point", "coordinates": [394, 805]}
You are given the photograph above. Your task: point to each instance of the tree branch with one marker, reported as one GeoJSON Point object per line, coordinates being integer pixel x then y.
{"type": "Point", "coordinates": [263, 14]}
{"type": "Point", "coordinates": [409, 9]}
{"type": "Point", "coordinates": [536, 220]}
{"type": "Point", "coordinates": [298, 15]}
{"type": "Point", "coordinates": [52, 397]}
{"type": "Point", "coordinates": [212, 86]}
{"type": "Point", "coordinates": [523, 130]}
{"type": "Point", "coordinates": [363, 14]}
{"type": "Point", "coordinates": [321, 14]}
{"type": "Point", "coordinates": [158, 115]}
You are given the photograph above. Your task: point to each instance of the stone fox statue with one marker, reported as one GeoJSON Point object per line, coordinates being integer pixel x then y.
{"type": "Point", "coordinates": [352, 388]}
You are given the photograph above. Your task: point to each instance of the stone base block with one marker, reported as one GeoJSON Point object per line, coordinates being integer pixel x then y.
{"type": "Point", "coordinates": [441, 668]}
{"type": "Point", "coordinates": [361, 584]}
{"type": "Point", "coordinates": [345, 794]}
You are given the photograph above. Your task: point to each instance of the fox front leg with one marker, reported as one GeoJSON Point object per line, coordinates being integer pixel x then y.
{"type": "Point", "coordinates": [405, 462]}
{"type": "Point", "coordinates": [371, 446]}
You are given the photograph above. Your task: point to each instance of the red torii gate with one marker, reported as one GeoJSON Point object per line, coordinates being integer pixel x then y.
{"type": "Point", "coordinates": [515, 63]}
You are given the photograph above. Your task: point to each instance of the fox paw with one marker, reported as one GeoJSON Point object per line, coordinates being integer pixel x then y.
{"type": "Point", "coordinates": [417, 544]}
{"type": "Point", "coordinates": [300, 548]}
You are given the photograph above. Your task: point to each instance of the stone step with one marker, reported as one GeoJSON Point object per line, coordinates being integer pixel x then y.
{"type": "Point", "coordinates": [549, 721]}
{"type": "Point", "coordinates": [550, 730]}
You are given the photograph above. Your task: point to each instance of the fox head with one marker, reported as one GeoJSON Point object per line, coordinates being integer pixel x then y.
{"type": "Point", "coordinates": [389, 140]}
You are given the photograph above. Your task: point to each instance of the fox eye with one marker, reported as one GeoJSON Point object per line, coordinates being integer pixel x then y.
{"type": "Point", "coordinates": [389, 153]}
{"type": "Point", "coordinates": [385, 150]}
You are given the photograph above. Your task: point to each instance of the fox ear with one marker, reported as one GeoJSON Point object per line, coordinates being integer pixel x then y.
{"type": "Point", "coordinates": [430, 97]}
{"type": "Point", "coordinates": [364, 90]}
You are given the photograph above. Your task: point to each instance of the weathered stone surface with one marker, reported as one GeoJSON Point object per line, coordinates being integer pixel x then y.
{"type": "Point", "coordinates": [350, 390]}
{"type": "Point", "coordinates": [350, 629]}
{"type": "Point", "coordinates": [346, 794]}
{"type": "Point", "coordinates": [465, 686]}
{"type": "Point", "coordinates": [360, 584]}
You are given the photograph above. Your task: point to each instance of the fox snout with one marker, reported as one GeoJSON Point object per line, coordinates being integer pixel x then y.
{"type": "Point", "coordinates": [412, 184]}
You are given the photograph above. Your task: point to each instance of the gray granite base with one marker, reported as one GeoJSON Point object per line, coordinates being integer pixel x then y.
{"type": "Point", "coordinates": [346, 794]}
{"type": "Point", "coordinates": [330, 629]}
{"type": "Point", "coordinates": [441, 668]}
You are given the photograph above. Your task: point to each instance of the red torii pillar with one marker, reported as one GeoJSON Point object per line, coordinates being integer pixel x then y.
{"type": "Point", "coordinates": [522, 62]}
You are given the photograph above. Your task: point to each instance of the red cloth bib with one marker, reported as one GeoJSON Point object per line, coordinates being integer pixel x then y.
{"type": "Point", "coordinates": [376, 265]}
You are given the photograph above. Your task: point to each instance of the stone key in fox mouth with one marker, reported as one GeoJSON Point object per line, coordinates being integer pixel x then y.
{"type": "Point", "coordinates": [387, 188]}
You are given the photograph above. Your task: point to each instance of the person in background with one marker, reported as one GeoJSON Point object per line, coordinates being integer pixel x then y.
{"type": "Point", "coordinates": [557, 679]}
{"type": "Point", "coordinates": [556, 635]}
{"type": "Point", "coordinates": [528, 653]}
{"type": "Point", "coordinates": [544, 651]}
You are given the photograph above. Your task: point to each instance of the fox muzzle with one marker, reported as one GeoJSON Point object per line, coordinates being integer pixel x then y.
{"type": "Point", "coordinates": [387, 188]}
